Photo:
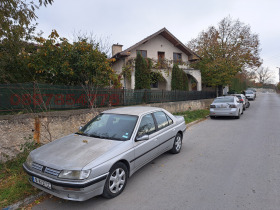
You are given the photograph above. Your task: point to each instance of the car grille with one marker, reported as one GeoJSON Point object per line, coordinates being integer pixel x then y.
{"type": "Point", "coordinates": [45, 169]}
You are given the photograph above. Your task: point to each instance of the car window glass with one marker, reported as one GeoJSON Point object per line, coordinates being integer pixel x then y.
{"type": "Point", "coordinates": [110, 126]}
{"type": "Point", "coordinates": [147, 125]}
{"type": "Point", "coordinates": [161, 119]}
{"type": "Point", "coordinates": [223, 100]}
{"type": "Point", "coordinates": [170, 121]}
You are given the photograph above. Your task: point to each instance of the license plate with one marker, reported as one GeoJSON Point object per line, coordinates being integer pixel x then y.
{"type": "Point", "coordinates": [42, 182]}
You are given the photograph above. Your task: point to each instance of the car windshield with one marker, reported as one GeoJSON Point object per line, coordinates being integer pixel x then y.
{"type": "Point", "coordinates": [249, 92]}
{"type": "Point", "coordinates": [223, 100]}
{"type": "Point", "coordinates": [110, 126]}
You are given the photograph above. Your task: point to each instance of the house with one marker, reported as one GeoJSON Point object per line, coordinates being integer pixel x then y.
{"type": "Point", "coordinates": [164, 49]}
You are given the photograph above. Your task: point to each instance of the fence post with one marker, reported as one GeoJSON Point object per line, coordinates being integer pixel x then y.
{"type": "Point", "coordinates": [123, 97]}
{"type": "Point", "coordinates": [32, 98]}
{"type": "Point", "coordinates": [146, 96]}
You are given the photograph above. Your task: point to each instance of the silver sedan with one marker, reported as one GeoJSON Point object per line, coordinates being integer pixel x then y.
{"type": "Point", "coordinates": [103, 154]}
{"type": "Point", "coordinates": [226, 106]}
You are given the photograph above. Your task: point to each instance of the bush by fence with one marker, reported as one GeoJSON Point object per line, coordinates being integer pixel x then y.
{"type": "Point", "coordinates": [43, 97]}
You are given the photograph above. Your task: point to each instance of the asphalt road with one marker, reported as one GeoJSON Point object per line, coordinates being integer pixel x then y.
{"type": "Point", "coordinates": [224, 164]}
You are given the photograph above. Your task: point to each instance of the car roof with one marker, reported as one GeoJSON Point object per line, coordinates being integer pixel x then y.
{"type": "Point", "coordinates": [133, 110]}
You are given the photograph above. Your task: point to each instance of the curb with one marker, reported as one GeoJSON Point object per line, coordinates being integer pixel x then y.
{"type": "Point", "coordinates": [25, 201]}
{"type": "Point", "coordinates": [197, 121]}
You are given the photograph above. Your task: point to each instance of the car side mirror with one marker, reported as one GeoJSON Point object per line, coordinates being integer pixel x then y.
{"type": "Point", "coordinates": [142, 138]}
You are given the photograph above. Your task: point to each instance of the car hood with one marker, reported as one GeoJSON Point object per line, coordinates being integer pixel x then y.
{"type": "Point", "coordinates": [72, 152]}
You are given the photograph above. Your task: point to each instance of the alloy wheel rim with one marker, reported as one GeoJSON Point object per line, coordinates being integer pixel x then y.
{"type": "Point", "coordinates": [117, 180]}
{"type": "Point", "coordinates": [178, 143]}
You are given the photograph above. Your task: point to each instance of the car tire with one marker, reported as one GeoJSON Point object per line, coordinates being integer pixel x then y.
{"type": "Point", "coordinates": [212, 117]}
{"type": "Point", "coordinates": [248, 104]}
{"type": "Point", "coordinates": [238, 116]}
{"type": "Point", "coordinates": [116, 180]}
{"type": "Point", "coordinates": [177, 145]}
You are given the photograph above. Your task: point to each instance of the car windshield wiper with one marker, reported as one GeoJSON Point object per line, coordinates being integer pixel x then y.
{"type": "Point", "coordinates": [81, 133]}
{"type": "Point", "coordinates": [111, 138]}
{"type": "Point", "coordinates": [94, 136]}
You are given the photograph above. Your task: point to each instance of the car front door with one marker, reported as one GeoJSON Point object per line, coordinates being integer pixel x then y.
{"type": "Point", "coordinates": [145, 150]}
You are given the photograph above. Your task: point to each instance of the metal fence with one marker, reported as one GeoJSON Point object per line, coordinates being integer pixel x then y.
{"type": "Point", "coordinates": [43, 97]}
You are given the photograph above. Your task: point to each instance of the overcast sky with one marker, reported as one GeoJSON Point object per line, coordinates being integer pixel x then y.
{"type": "Point", "coordinates": [127, 22]}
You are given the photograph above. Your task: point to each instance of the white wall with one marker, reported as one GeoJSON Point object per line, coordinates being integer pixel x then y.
{"type": "Point", "coordinates": [159, 44]}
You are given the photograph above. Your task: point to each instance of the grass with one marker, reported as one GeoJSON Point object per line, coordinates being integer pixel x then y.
{"type": "Point", "coordinates": [191, 116]}
{"type": "Point", "coordinates": [14, 185]}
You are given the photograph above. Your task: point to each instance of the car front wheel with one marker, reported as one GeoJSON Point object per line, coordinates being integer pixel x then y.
{"type": "Point", "coordinates": [177, 145]}
{"type": "Point", "coordinates": [116, 180]}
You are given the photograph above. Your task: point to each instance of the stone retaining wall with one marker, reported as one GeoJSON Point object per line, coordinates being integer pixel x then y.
{"type": "Point", "coordinates": [16, 130]}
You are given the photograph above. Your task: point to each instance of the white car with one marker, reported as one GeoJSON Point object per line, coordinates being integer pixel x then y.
{"type": "Point", "coordinates": [102, 155]}
{"type": "Point", "coordinates": [226, 106]}
{"type": "Point", "coordinates": [242, 99]}
{"type": "Point", "coordinates": [250, 94]}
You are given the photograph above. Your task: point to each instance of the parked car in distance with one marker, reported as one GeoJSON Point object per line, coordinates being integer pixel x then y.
{"type": "Point", "coordinates": [243, 99]}
{"type": "Point", "coordinates": [226, 106]}
{"type": "Point", "coordinates": [103, 154]}
{"type": "Point", "coordinates": [254, 90]}
{"type": "Point", "coordinates": [250, 94]}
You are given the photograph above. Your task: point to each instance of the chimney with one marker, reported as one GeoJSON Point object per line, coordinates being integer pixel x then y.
{"type": "Point", "coordinates": [116, 48]}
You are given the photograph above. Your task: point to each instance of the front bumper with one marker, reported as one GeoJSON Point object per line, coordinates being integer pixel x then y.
{"type": "Point", "coordinates": [69, 190]}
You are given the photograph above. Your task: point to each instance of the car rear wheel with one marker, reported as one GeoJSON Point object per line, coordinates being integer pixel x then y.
{"type": "Point", "coordinates": [177, 145]}
{"type": "Point", "coordinates": [238, 116]}
{"type": "Point", "coordinates": [116, 180]}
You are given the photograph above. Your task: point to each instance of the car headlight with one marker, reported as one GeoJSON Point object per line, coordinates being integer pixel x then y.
{"type": "Point", "coordinates": [74, 174]}
{"type": "Point", "coordinates": [29, 161]}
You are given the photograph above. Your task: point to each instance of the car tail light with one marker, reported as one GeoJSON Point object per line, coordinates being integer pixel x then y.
{"type": "Point", "coordinates": [241, 100]}
{"type": "Point", "coordinates": [232, 106]}
{"type": "Point", "coordinates": [212, 106]}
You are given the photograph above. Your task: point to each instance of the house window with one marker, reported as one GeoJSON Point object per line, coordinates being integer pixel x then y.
{"type": "Point", "coordinates": [143, 53]}
{"type": "Point", "coordinates": [161, 57]}
{"type": "Point", "coordinates": [177, 58]}
{"type": "Point", "coordinates": [154, 84]}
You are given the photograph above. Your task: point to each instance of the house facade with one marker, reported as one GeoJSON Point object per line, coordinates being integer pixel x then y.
{"type": "Point", "coordinates": [164, 49]}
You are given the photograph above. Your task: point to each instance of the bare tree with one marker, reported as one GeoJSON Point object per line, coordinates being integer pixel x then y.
{"type": "Point", "coordinates": [263, 75]}
{"type": "Point", "coordinates": [103, 43]}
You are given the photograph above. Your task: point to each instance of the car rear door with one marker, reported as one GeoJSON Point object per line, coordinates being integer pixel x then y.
{"type": "Point", "coordinates": [166, 131]}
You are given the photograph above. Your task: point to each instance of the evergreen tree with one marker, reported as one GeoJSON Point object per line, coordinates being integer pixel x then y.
{"type": "Point", "coordinates": [179, 80]}
{"type": "Point", "coordinates": [142, 73]}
